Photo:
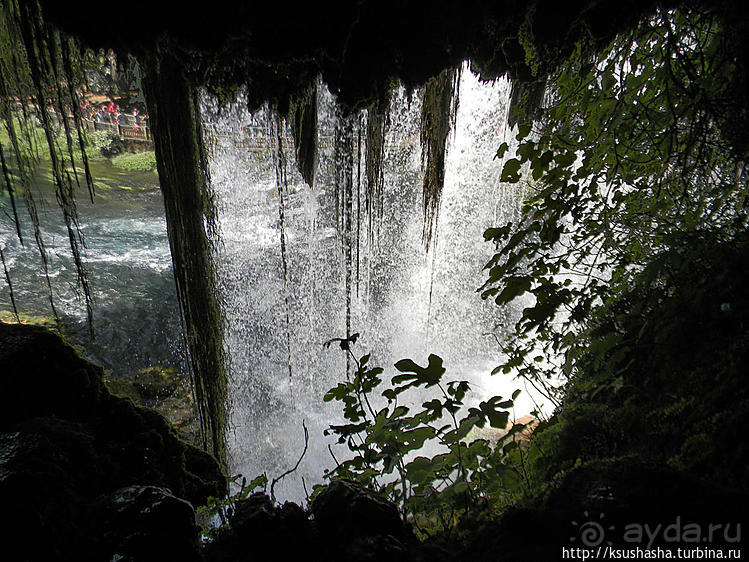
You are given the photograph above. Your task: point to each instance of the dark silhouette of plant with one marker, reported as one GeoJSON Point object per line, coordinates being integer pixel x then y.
{"type": "Point", "coordinates": [425, 459]}
{"type": "Point", "coordinates": [631, 158]}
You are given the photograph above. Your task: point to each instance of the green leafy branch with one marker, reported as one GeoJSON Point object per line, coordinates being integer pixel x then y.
{"type": "Point", "coordinates": [629, 164]}
{"type": "Point", "coordinates": [393, 446]}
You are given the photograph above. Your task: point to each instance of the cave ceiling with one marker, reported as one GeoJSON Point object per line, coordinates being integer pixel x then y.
{"type": "Point", "coordinates": [359, 47]}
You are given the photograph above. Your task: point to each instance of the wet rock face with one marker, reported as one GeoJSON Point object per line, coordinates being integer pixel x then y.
{"type": "Point", "coordinates": [358, 47]}
{"type": "Point", "coordinates": [155, 382]}
{"type": "Point", "coordinates": [167, 392]}
{"type": "Point", "coordinates": [66, 445]}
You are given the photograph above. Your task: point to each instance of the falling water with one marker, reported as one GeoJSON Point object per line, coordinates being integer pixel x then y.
{"type": "Point", "coordinates": [289, 281]}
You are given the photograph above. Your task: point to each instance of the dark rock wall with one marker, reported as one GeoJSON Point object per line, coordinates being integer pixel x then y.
{"type": "Point", "coordinates": [67, 446]}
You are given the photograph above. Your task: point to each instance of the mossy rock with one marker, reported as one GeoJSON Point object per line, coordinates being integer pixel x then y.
{"type": "Point", "coordinates": [181, 412]}
{"type": "Point", "coordinates": [154, 382]}
{"type": "Point", "coordinates": [166, 391]}
{"type": "Point", "coordinates": [47, 322]}
{"type": "Point", "coordinates": [46, 386]}
{"type": "Point", "coordinates": [9, 317]}
{"type": "Point", "coordinates": [123, 389]}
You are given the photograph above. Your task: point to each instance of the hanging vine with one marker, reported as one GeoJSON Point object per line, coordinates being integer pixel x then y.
{"type": "Point", "coordinates": [303, 120]}
{"type": "Point", "coordinates": [38, 81]}
{"type": "Point", "coordinates": [344, 186]}
{"type": "Point", "coordinates": [378, 117]}
{"type": "Point", "coordinates": [191, 225]}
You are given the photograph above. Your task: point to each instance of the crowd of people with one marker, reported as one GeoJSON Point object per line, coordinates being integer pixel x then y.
{"type": "Point", "coordinates": [112, 113]}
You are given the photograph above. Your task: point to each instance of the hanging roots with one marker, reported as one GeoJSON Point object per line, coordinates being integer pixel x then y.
{"type": "Point", "coordinates": [438, 111]}
{"type": "Point", "coordinates": [526, 99]}
{"type": "Point", "coordinates": [377, 124]}
{"type": "Point", "coordinates": [191, 225]}
{"type": "Point", "coordinates": [282, 187]}
{"type": "Point", "coordinates": [303, 120]}
{"type": "Point", "coordinates": [344, 187]}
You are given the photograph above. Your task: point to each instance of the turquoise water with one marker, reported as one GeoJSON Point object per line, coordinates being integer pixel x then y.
{"type": "Point", "coordinates": [136, 316]}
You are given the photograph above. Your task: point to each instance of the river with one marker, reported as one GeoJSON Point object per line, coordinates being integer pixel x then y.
{"type": "Point", "coordinates": [135, 312]}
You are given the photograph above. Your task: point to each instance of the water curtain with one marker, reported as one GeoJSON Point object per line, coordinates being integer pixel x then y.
{"type": "Point", "coordinates": [300, 262]}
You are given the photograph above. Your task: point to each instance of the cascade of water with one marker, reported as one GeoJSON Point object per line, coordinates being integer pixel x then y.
{"type": "Point", "coordinates": [323, 275]}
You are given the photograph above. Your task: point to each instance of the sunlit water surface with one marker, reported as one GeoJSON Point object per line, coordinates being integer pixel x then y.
{"type": "Point", "coordinates": [136, 317]}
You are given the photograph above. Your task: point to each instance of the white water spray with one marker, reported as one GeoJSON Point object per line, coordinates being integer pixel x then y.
{"type": "Point", "coordinates": [405, 302]}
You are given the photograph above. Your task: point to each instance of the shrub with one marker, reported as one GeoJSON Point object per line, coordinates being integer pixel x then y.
{"type": "Point", "coordinates": [108, 143]}
{"type": "Point", "coordinates": [389, 442]}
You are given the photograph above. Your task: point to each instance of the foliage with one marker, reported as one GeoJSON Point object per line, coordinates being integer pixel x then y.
{"type": "Point", "coordinates": [425, 461]}
{"type": "Point", "coordinates": [33, 146]}
{"type": "Point", "coordinates": [29, 144]}
{"type": "Point", "coordinates": [680, 396]}
{"type": "Point", "coordinates": [107, 143]}
{"type": "Point", "coordinates": [40, 81]}
{"type": "Point", "coordinates": [628, 161]}
{"type": "Point", "coordinates": [137, 162]}
{"type": "Point", "coordinates": [114, 76]}
{"type": "Point", "coordinates": [631, 250]}
{"type": "Point", "coordinates": [223, 508]}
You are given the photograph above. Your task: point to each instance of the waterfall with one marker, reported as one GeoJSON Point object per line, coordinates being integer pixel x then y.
{"type": "Point", "coordinates": [299, 265]}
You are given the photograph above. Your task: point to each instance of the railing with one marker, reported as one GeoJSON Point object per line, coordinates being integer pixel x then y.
{"type": "Point", "coordinates": [257, 139]}
{"type": "Point", "coordinates": [140, 133]}
{"type": "Point", "coordinates": [253, 138]}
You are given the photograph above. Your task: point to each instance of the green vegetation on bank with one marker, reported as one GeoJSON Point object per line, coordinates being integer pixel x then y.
{"type": "Point", "coordinates": [34, 145]}
{"type": "Point", "coordinates": [99, 146]}
{"type": "Point", "coordinates": [136, 162]}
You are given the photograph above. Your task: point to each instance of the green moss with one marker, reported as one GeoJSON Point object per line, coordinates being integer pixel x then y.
{"type": "Point", "coordinates": [438, 110]}
{"type": "Point", "coordinates": [9, 317]}
{"type": "Point", "coordinates": [191, 222]}
{"type": "Point", "coordinates": [162, 389]}
{"type": "Point", "coordinates": [124, 389]}
{"type": "Point", "coordinates": [303, 119]}
{"type": "Point", "coordinates": [155, 382]}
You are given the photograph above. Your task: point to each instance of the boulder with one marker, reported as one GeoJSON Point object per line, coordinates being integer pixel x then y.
{"type": "Point", "coordinates": [258, 530]}
{"type": "Point", "coordinates": [353, 511]}
{"type": "Point", "coordinates": [67, 444]}
{"type": "Point", "coordinates": [347, 522]}
{"type": "Point", "coordinates": [148, 523]}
